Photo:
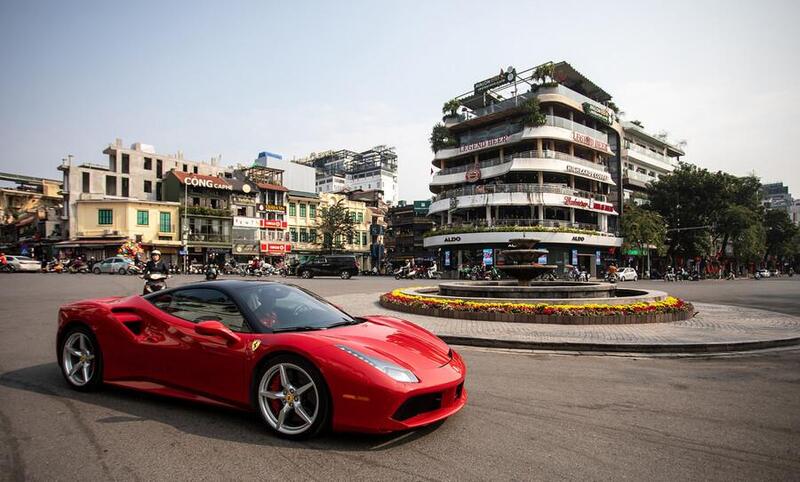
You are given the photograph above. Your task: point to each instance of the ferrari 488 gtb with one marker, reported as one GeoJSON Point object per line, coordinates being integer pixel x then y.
{"type": "Point", "coordinates": [277, 349]}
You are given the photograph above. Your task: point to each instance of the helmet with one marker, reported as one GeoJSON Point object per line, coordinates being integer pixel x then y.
{"type": "Point", "coordinates": [155, 252]}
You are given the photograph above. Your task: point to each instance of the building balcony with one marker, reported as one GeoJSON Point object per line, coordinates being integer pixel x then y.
{"type": "Point", "coordinates": [517, 223]}
{"type": "Point", "coordinates": [637, 179]}
{"type": "Point", "coordinates": [209, 238]}
{"type": "Point", "coordinates": [517, 188]}
{"type": "Point", "coordinates": [652, 159]}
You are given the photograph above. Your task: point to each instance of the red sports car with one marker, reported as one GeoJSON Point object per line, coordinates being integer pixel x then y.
{"type": "Point", "coordinates": [278, 349]}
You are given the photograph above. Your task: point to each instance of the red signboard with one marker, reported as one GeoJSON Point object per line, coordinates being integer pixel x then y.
{"type": "Point", "coordinates": [276, 248]}
{"type": "Point", "coordinates": [273, 223]}
{"type": "Point", "coordinates": [589, 141]}
{"type": "Point", "coordinates": [588, 204]}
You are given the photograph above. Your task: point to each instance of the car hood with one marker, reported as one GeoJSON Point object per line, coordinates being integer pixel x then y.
{"type": "Point", "coordinates": [392, 339]}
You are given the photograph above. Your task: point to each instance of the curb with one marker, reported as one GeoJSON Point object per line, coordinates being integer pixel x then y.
{"type": "Point", "coordinates": [631, 348]}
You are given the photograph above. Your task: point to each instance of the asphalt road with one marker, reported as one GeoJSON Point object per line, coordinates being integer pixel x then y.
{"type": "Point", "coordinates": [530, 416]}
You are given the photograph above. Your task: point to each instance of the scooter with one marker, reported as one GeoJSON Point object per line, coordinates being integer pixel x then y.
{"type": "Point", "coordinates": [154, 282]}
{"type": "Point", "coordinates": [211, 272]}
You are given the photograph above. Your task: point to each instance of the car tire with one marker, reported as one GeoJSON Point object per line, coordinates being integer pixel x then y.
{"type": "Point", "coordinates": [122, 271]}
{"type": "Point", "coordinates": [80, 338]}
{"type": "Point", "coordinates": [96, 271]}
{"type": "Point", "coordinates": [345, 274]}
{"type": "Point", "coordinates": [314, 401]}
{"type": "Point", "coordinates": [306, 274]}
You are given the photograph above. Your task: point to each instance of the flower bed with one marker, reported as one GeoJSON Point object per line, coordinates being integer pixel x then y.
{"type": "Point", "coordinates": [669, 309]}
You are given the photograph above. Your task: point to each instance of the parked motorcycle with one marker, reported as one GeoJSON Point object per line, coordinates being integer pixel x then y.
{"type": "Point", "coordinates": [154, 282]}
{"type": "Point", "coordinates": [211, 272]}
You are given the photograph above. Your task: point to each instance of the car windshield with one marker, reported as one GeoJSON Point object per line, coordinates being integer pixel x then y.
{"type": "Point", "coordinates": [277, 307]}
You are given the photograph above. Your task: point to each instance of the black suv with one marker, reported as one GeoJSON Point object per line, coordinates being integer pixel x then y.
{"type": "Point", "coordinates": [329, 265]}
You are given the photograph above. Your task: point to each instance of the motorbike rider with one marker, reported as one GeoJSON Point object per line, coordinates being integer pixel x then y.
{"type": "Point", "coordinates": [3, 259]}
{"type": "Point", "coordinates": [156, 264]}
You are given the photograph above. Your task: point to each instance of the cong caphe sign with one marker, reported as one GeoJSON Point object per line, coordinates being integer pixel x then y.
{"type": "Point", "coordinates": [208, 183]}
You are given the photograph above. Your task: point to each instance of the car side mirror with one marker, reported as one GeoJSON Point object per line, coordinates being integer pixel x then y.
{"type": "Point", "coordinates": [215, 328]}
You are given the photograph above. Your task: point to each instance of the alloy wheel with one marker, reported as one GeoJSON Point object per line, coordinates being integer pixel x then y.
{"type": "Point", "coordinates": [288, 398]}
{"type": "Point", "coordinates": [78, 359]}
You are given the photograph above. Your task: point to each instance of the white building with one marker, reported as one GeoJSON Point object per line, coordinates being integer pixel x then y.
{"type": "Point", "coordinates": [645, 158]}
{"type": "Point", "coordinates": [296, 177]}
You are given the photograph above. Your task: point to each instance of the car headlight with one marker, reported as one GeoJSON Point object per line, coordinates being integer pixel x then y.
{"type": "Point", "coordinates": [395, 372]}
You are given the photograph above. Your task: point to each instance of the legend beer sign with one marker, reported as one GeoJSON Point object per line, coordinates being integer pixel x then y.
{"type": "Point", "coordinates": [589, 141]}
{"type": "Point", "coordinates": [483, 144]}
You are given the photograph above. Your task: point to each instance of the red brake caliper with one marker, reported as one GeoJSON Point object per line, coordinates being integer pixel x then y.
{"type": "Point", "coordinates": [275, 386]}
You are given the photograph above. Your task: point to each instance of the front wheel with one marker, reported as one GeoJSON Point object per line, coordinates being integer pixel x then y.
{"type": "Point", "coordinates": [306, 274]}
{"type": "Point", "coordinates": [292, 397]}
{"type": "Point", "coordinates": [345, 275]}
{"type": "Point", "coordinates": [81, 359]}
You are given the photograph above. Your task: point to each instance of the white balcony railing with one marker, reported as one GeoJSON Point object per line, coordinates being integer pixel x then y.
{"type": "Point", "coordinates": [518, 187]}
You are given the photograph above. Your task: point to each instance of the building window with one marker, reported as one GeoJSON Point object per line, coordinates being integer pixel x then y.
{"type": "Point", "coordinates": [105, 216]}
{"type": "Point", "coordinates": [148, 163]}
{"type": "Point", "coordinates": [126, 164]}
{"type": "Point", "coordinates": [125, 187]}
{"type": "Point", "coordinates": [363, 238]}
{"type": "Point", "coordinates": [303, 235]}
{"type": "Point", "coordinates": [86, 182]}
{"type": "Point", "coordinates": [214, 203]}
{"type": "Point", "coordinates": [302, 210]}
{"type": "Point", "coordinates": [312, 235]}
{"type": "Point", "coordinates": [185, 168]}
{"type": "Point", "coordinates": [294, 234]}
{"type": "Point", "coordinates": [194, 169]}
{"type": "Point", "coordinates": [148, 186]}
{"type": "Point", "coordinates": [195, 201]}
{"type": "Point", "coordinates": [159, 196]}
{"type": "Point", "coordinates": [165, 222]}
{"type": "Point", "coordinates": [360, 217]}
{"type": "Point", "coordinates": [111, 185]}
{"type": "Point", "coordinates": [312, 211]}
{"type": "Point", "coordinates": [143, 218]}
{"type": "Point", "coordinates": [159, 168]}
{"type": "Point", "coordinates": [292, 209]}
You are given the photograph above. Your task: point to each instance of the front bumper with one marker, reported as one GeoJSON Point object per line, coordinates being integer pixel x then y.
{"type": "Point", "coordinates": [393, 406]}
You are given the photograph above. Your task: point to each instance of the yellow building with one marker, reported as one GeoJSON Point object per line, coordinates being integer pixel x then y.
{"type": "Point", "coordinates": [303, 218]}
{"type": "Point", "coordinates": [104, 224]}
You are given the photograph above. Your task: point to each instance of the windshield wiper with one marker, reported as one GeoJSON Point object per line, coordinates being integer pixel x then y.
{"type": "Point", "coordinates": [345, 323]}
{"type": "Point", "coordinates": [298, 328]}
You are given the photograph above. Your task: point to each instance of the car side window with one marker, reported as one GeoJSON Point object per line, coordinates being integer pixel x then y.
{"type": "Point", "coordinates": [203, 304]}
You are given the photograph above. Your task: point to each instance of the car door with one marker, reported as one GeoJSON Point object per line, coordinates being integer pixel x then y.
{"type": "Point", "coordinates": [180, 357]}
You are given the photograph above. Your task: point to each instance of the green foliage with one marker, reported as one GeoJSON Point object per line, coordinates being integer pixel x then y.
{"type": "Point", "coordinates": [544, 72]}
{"type": "Point", "coordinates": [441, 138]}
{"type": "Point", "coordinates": [451, 107]}
{"type": "Point", "coordinates": [638, 123]}
{"type": "Point", "coordinates": [780, 234]}
{"type": "Point", "coordinates": [204, 211]}
{"type": "Point", "coordinates": [706, 211]}
{"type": "Point", "coordinates": [335, 223]}
{"type": "Point", "coordinates": [532, 115]}
{"type": "Point", "coordinates": [749, 245]}
{"type": "Point", "coordinates": [643, 228]}
{"type": "Point", "coordinates": [613, 106]}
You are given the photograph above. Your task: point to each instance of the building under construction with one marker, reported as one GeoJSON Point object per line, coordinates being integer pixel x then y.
{"type": "Point", "coordinates": [375, 168]}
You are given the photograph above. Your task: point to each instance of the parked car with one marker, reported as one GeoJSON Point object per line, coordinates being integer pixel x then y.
{"type": "Point", "coordinates": [264, 347]}
{"type": "Point", "coordinates": [627, 274]}
{"type": "Point", "coordinates": [344, 266]}
{"type": "Point", "coordinates": [764, 273]}
{"type": "Point", "coordinates": [117, 264]}
{"type": "Point", "coordinates": [23, 263]}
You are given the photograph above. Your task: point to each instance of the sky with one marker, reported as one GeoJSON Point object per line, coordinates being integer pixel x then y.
{"type": "Point", "coordinates": [237, 77]}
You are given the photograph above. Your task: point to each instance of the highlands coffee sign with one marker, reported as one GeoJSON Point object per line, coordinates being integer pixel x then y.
{"type": "Point", "coordinates": [590, 173]}
{"type": "Point", "coordinates": [483, 144]}
{"type": "Point", "coordinates": [578, 202]}
{"type": "Point", "coordinates": [208, 183]}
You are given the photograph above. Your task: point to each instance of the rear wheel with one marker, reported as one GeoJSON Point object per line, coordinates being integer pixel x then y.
{"type": "Point", "coordinates": [292, 397]}
{"type": "Point", "coordinates": [345, 274]}
{"type": "Point", "coordinates": [122, 271]}
{"type": "Point", "coordinates": [81, 359]}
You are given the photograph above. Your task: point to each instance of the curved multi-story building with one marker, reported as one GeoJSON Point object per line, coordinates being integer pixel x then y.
{"type": "Point", "coordinates": [557, 177]}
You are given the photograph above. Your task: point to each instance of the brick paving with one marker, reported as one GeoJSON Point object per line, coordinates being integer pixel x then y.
{"type": "Point", "coordinates": [715, 326]}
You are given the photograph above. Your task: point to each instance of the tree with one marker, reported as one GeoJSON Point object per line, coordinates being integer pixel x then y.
{"type": "Point", "coordinates": [441, 138]}
{"type": "Point", "coordinates": [642, 229]}
{"type": "Point", "coordinates": [532, 115]}
{"type": "Point", "coordinates": [335, 225]}
{"type": "Point", "coordinates": [780, 234]}
{"type": "Point", "coordinates": [543, 72]}
{"type": "Point", "coordinates": [749, 245]}
{"type": "Point", "coordinates": [450, 108]}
